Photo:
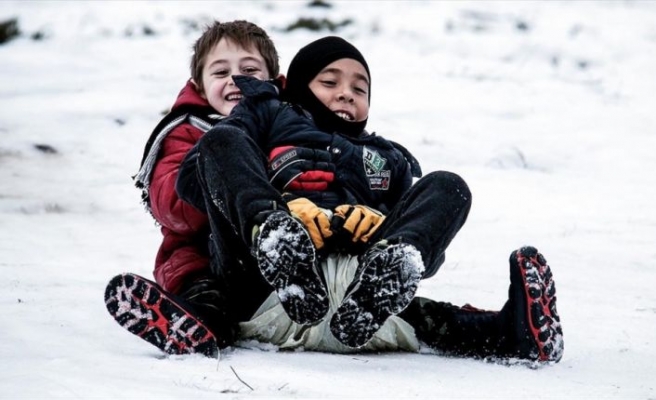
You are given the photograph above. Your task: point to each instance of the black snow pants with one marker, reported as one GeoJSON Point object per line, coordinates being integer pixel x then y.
{"type": "Point", "coordinates": [238, 196]}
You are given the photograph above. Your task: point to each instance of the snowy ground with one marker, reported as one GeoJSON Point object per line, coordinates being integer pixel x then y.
{"type": "Point", "coordinates": [545, 108]}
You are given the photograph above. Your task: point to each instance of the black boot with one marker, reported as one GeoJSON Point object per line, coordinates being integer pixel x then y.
{"type": "Point", "coordinates": [531, 308]}
{"type": "Point", "coordinates": [527, 327]}
{"type": "Point", "coordinates": [287, 260]}
{"type": "Point", "coordinates": [385, 283]}
{"type": "Point", "coordinates": [462, 331]}
{"type": "Point", "coordinates": [202, 296]}
{"type": "Point", "coordinates": [161, 318]}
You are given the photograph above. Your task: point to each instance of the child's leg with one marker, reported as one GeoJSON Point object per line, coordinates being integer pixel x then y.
{"type": "Point", "coordinates": [238, 195]}
{"type": "Point", "coordinates": [527, 327]}
{"type": "Point", "coordinates": [428, 216]}
{"type": "Point", "coordinates": [408, 246]}
{"type": "Point", "coordinates": [234, 181]}
{"type": "Point", "coordinates": [462, 331]}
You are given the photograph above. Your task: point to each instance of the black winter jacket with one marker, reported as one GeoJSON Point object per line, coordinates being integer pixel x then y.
{"type": "Point", "coordinates": [369, 169]}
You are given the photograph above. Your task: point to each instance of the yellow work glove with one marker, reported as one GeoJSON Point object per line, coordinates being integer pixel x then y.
{"type": "Point", "coordinates": [360, 221]}
{"type": "Point", "coordinates": [315, 219]}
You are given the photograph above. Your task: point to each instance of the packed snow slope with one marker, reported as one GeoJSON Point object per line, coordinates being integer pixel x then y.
{"type": "Point", "coordinates": [545, 108]}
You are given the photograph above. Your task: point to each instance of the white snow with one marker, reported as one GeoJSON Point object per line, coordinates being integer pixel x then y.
{"type": "Point", "coordinates": [545, 108]}
{"type": "Point", "coordinates": [291, 291]}
{"type": "Point", "coordinates": [414, 264]}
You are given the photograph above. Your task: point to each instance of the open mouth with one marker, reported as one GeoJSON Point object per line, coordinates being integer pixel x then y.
{"type": "Point", "coordinates": [344, 115]}
{"type": "Point", "coordinates": [234, 97]}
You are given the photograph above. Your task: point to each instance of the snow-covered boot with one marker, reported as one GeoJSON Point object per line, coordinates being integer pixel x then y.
{"type": "Point", "coordinates": [385, 283]}
{"type": "Point", "coordinates": [160, 318]}
{"type": "Point", "coordinates": [532, 299]}
{"type": "Point", "coordinates": [287, 259]}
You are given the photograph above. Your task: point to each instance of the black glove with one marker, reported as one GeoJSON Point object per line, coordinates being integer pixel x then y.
{"type": "Point", "coordinates": [300, 168]}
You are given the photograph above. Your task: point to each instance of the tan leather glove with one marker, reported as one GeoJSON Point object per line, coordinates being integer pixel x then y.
{"type": "Point", "coordinates": [361, 221]}
{"type": "Point", "coordinates": [315, 219]}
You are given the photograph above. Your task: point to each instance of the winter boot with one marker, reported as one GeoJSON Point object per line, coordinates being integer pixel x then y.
{"type": "Point", "coordinates": [532, 298]}
{"type": "Point", "coordinates": [385, 283]}
{"type": "Point", "coordinates": [461, 331]}
{"type": "Point", "coordinates": [160, 318]}
{"type": "Point", "coordinates": [287, 259]}
{"type": "Point", "coordinates": [203, 296]}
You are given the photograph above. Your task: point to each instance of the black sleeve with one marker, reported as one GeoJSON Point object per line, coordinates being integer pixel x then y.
{"type": "Point", "coordinates": [253, 115]}
{"type": "Point", "coordinates": [256, 112]}
{"type": "Point", "coordinates": [187, 185]}
{"type": "Point", "coordinates": [403, 172]}
{"type": "Point", "coordinates": [415, 168]}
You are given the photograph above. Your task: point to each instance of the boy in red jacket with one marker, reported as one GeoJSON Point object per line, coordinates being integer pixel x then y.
{"type": "Point", "coordinates": [182, 262]}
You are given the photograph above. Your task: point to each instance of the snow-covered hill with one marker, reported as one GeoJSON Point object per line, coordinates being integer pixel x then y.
{"type": "Point", "coordinates": [545, 108]}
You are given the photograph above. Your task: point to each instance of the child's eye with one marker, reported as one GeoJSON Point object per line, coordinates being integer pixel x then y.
{"type": "Point", "coordinates": [250, 70]}
{"type": "Point", "coordinates": [360, 90]}
{"type": "Point", "coordinates": [327, 82]}
{"type": "Point", "coordinates": [220, 72]}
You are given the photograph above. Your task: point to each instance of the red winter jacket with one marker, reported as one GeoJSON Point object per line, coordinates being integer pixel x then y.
{"type": "Point", "coordinates": [185, 230]}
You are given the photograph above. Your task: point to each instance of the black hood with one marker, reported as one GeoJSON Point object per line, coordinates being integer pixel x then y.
{"type": "Point", "coordinates": [305, 66]}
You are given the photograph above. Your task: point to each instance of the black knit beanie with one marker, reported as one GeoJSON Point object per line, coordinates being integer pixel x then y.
{"type": "Point", "coordinates": [305, 66]}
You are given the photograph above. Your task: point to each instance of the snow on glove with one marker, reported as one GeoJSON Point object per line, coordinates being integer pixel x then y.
{"type": "Point", "coordinates": [315, 219]}
{"type": "Point", "coordinates": [359, 221]}
{"type": "Point", "coordinates": [300, 168]}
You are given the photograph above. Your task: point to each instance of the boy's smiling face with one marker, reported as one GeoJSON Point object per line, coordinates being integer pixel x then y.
{"type": "Point", "coordinates": [343, 87]}
{"type": "Point", "coordinates": [227, 59]}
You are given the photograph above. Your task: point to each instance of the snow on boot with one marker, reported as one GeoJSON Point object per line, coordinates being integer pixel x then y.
{"type": "Point", "coordinates": [158, 317]}
{"type": "Point", "coordinates": [532, 294]}
{"type": "Point", "coordinates": [287, 259]}
{"type": "Point", "coordinates": [384, 285]}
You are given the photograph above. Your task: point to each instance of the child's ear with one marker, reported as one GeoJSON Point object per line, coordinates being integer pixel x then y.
{"type": "Point", "coordinates": [198, 88]}
{"type": "Point", "coordinates": [283, 80]}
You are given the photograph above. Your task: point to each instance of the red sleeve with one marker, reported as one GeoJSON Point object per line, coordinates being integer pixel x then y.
{"type": "Point", "coordinates": [178, 259]}
{"type": "Point", "coordinates": [167, 208]}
